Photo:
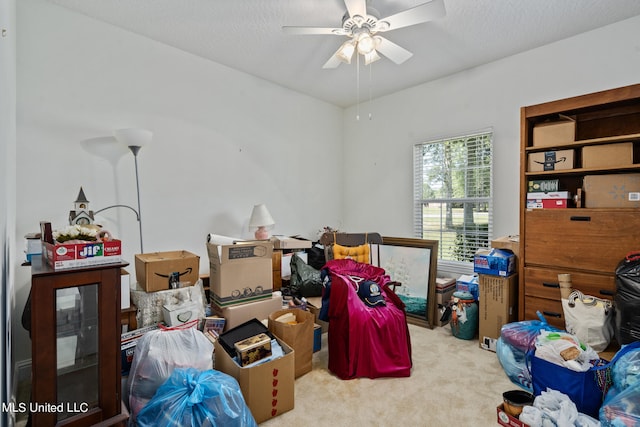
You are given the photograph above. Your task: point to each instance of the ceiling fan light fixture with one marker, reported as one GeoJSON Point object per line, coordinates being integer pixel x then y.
{"type": "Point", "coordinates": [371, 57]}
{"type": "Point", "coordinates": [345, 52]}
{"type": "Point", "coordinates": [366, 44]}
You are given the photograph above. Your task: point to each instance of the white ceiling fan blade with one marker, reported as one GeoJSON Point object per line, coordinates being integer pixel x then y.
{"type": "Point", "coordinates": [392, 51]}
{"type": "Point", "coordinates": [312, 30]}
{"type": "Point", "coordinates": [356, 7]}
{"type": "Point", "coordinates": [333, 62]}
{"type": "Point", "coordinates": [416, 15]}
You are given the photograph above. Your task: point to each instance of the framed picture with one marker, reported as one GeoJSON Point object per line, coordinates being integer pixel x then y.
{"type": "Point", "coordinates": [412, 263]}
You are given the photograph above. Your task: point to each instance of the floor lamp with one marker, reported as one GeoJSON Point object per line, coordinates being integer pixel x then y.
{"type": "Point", "coordinates": [135, 139]}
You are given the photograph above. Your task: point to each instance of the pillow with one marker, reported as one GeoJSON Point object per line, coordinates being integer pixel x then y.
{"type": "Point", "coordinates": [356, 253]}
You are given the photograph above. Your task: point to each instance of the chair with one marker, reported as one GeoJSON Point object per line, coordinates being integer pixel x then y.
{"type": "Point", "coordinates": [364, 339]}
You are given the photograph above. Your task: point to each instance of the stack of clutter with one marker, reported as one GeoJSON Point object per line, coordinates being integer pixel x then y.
{"type": "Point", "coordinates": [169, 289]}
{"type": "Point", "coordinates": [262, 363]}
{"type": "Point", "coordinates": [497, 293]}
{"type": "Point", "coordinates": [241, 280]}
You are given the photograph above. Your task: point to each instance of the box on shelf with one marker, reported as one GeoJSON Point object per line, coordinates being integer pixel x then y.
{"type": "Point", "coordinates": [468, 283]}
{"type": "Point", "coordinates": [497, 307]}
{"type": "Point", "coordinates": [547, 203]}
{"type": "Point", "coordinates": [154, 269]}
{"type": "Point", "coordinates": [237, 314]}
{"type": "Point", "coordinates": [240, 272]}
{"type": "Point", "coordinates": [268, 387]}
{"type": "Point", "coordinates": [609, 155]}
{"type": "Point", "coordinates": [548, 200]}
{"type": "Point", "coordinates": [497, 262]}
{"type": "Point", "coordinates": [612, 191]}
{"type": "Point", "coordinates": [550, 160]}
{"type": "Point", "coordinates": [536, 185]}
{"type": "Point", "coordinates": [558, 132]}
{"type": "Point", "coordinates": [62, 256]}
{"type": "Point", "coordinates": [283, 242]}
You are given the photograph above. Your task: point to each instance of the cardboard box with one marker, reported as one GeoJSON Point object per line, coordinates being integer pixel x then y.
{"type": "Point", "coordinates": [510, 243]}
{"type": "Point", "coordinates": [177, 314]}
{"type": "Point", "coordinates": [507, 420]}
{"type": "Point", "coordinates": [612, 191]}
{"type": "Point", "coordinates": [237, 314]}
{"type": "Point", "coordinates": [559, 132]}
{"type": "Point", "coordinates": [497, 307]}
{"type": "Point", "coordinates": [283, 242]}
{"type": "Point", "coordinates": [240, 272]}
{"type": "Point", "coordinates": [549, 195]}
{"type": "Point", "coordinates": [547, 203]}
{"type": "Point", "coordinates": [267, 388]}
{"type": "Point", "coordinates": [550, 160]}
{"type": "Point", "coordinates": [62, 256]}
{"type": "Point", "coordinates": [609, 155]}
{"type": "Point", "coordinates": [497, 262]}
{"type": "Point", "coordinates": [154, 270]}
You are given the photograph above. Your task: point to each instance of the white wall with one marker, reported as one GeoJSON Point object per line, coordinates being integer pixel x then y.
{"type": "Point", "coordinates": [7, 195]}
{"type": "Point", "coordinates": [223, 140]}
{"type": "Point", "coordinates": [379, 176]}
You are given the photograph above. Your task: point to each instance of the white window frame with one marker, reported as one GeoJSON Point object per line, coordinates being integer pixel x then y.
{"type": "Point", "coordinates": [449, 265]}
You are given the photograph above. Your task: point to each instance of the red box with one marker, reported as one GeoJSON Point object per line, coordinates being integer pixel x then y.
{"type": "Point", "coordinates": [63, 256]}
{"type": "Point", "coordinates": [507, 420]}
{"type": "Point", "coordinates": [554, 203]}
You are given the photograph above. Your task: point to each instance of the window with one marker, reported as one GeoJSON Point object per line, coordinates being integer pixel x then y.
{"type": "Point", "coordinates": [452, 194]}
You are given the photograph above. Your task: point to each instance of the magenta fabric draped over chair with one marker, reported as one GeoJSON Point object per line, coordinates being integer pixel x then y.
{"type": "Point", "coordinates": [365, 341]}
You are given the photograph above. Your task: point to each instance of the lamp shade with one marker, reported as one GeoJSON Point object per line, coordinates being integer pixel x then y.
{"type": "Point", "coordinates": [133, 137]}
{"type": "Point", "coordinates": [106, 147]}
{"type": "Point", "coordinates": [260, 217]}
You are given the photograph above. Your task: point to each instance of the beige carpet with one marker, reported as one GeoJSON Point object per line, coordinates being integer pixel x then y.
{"type": "Point", "coordinates": [453, 383]}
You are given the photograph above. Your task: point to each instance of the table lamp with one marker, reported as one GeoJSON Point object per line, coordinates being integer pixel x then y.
{"type": "Point", "coordinates": [261, 221]}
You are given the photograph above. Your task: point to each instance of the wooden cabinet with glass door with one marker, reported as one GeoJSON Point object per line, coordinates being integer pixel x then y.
{"type": "Point", "coordinates": [75, 333]}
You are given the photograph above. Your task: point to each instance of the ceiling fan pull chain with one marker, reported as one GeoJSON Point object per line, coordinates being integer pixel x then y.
{"type": "Point", "coordinates": [370, 89]}
{"type": "Point", "coordinates": [358, 87]}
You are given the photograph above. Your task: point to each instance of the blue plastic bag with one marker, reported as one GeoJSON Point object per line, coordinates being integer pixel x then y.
{"type": "Point", "coordinates": [622, 409]}
{"type": "Point", "coordinates": [197, 398]}
{"type": "Point", "coordinates": [516, 339]}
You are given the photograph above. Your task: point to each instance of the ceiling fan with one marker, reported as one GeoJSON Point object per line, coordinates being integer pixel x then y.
{"type": "Point", "coordinates": [361, 24]}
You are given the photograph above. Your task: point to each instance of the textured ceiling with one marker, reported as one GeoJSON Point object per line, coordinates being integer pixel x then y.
{"type": "Point", "coordinates": [247, 35]}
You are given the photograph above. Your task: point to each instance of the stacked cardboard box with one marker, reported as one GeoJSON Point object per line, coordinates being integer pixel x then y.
{"type": "Point", "coordinates": [498, 295]}
{"type": "Point", "coordinates": [157, 272]}
{"type": "Point", "coordinates": [241, 281]}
